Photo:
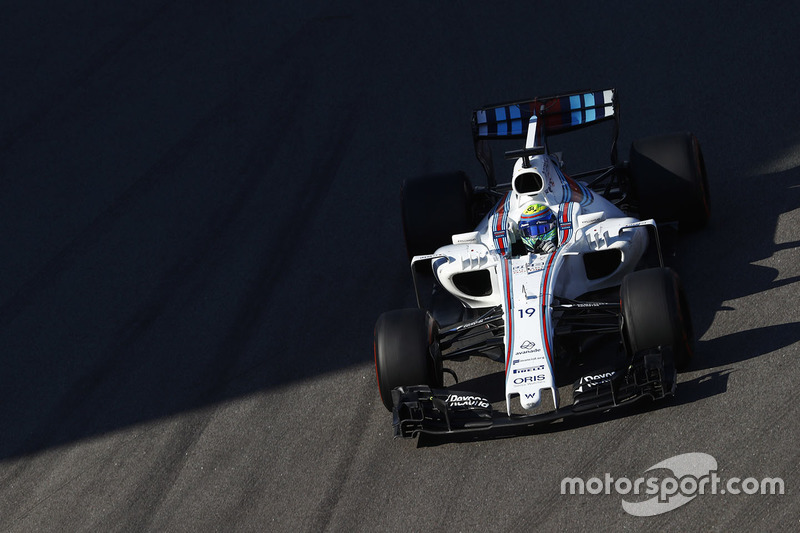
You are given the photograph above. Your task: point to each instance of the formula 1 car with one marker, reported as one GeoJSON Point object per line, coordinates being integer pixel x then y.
{"type": "Point", "coordinates": [581, 310]}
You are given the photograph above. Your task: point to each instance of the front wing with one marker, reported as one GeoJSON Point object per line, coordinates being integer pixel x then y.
{"type": "Point", "coordinates": [421, 409]}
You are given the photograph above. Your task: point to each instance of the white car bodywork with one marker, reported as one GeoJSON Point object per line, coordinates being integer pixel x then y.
{"type": "Point", "coordinates": [526, 284]}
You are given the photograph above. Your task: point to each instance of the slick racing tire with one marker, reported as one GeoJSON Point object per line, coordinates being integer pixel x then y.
{"type": "Point", "coordinates": [656, 314]}
{"type": "Point", "coordinates": [434, 208]}
{"type": "Point", "coordinates": [406, 351]}
{"type": "Point", "coordinates": [668, 180]}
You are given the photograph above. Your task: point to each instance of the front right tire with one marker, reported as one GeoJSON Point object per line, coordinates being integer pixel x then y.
{"type": "Point", "coordinates": [656, 314]}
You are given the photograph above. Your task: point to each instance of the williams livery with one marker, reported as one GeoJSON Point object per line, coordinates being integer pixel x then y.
{"type": "Point", "coordinates": [558, 278]}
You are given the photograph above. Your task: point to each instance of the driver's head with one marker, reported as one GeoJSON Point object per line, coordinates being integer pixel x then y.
{"type": "Point", "coordinates": [536, 225]}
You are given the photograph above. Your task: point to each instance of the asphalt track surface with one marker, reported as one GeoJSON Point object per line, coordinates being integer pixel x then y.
{"type": "Point", "coordinates": [200, 226]}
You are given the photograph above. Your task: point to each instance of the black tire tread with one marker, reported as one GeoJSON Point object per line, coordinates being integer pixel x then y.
{"type": "Point", "coordinates": [434, 208]}
{"type": "Point", "coordinates": [656, 313]}
{"type": "Point", "coordinates": [402, 346]}
{"type": "Point", "coordinates": [669, 181]}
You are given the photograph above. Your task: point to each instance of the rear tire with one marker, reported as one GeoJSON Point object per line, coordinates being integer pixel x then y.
{"type": "Point", "coordinates": [656, 314]}
{"type": "Point", "coordinates": [406, 351]}
{"type": "Point", "coordinates": [434, 208]}
{"type": "Point", "coordinates": [668, 179]}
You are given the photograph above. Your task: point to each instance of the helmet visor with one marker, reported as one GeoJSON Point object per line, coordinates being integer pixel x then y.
{"type": "Point", "coordinates": [537, 228]}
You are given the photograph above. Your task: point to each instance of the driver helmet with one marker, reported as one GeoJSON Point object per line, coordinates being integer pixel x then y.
{"type": "Point", "coordinates": [538, 224]}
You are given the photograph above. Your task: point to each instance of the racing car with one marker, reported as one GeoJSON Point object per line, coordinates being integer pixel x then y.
{"type": "Point", "coordinates": [558, 278]}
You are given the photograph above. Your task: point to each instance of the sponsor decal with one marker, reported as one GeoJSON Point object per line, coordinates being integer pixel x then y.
{"type": "Point", "coordinates": [590, 218]}
{"type": "Point", "coordinates": [458, 400]}
{"type": "Point", "coordinates": [536, 266]}
{"type": "Point", "coordinates": [528, 352]}
{"type": "Point", "coordinates": [588, 382]}
{"type": "Point", "coordinates": [529, 268]}
{"type": "Point", "coordinates": [529, 369]}
{"type": "Point", "coordinates": [591, 304]}
{"type": "Point", "coordinates": [528, 347]}
{"type": "Point", "coordinates": [529, 380]}
{"type": "Point", "coordinates": [472, 324]}
{"type": "Point", "coordinates": [599, 378]}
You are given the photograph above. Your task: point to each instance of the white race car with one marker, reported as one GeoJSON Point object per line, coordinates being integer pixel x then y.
{"type": "Point", "coordinates": [545, 275]}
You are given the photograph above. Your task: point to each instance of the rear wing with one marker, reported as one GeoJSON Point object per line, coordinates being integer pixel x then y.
{"type": "Point", "coordinates": [554, 114]}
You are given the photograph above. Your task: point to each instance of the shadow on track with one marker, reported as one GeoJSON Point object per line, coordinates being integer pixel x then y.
{"type": "Point", "coordinates": [161, 184]}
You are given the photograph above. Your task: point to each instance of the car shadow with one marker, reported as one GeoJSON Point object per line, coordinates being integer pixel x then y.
{"type": "Point", "coordinates": [744, 345]}
{"type": "Point", "coordinates": [720, 264]}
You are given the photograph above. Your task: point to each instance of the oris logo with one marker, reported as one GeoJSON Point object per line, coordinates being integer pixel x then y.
{"type": "Point", "coordinates": [529, 380]}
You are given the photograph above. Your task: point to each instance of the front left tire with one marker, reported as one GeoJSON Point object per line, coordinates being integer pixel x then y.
{"type": "Point", "coordinates": [406, 350]}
